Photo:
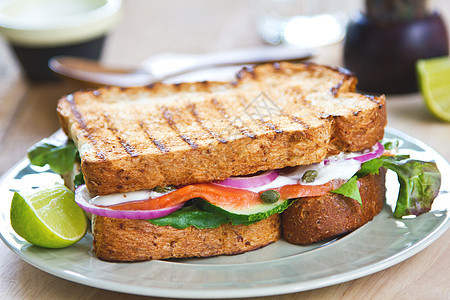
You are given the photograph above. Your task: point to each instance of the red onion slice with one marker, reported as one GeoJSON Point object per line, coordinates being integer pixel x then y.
{"type": "Point", "coordinates": [375, 153]}
{"type": "Point", "coordinates": [250, 182]}
{"type": "Point", "coordinates": [82, 198]}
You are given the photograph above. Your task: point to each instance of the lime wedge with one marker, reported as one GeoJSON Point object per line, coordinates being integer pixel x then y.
{"type": "Point", "coordinates": [48, 218]}
{"type": "Point", "coordinates": [434, 83]}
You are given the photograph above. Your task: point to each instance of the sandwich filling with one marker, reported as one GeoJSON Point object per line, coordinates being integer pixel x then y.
{"type": "Point", "coordinates": [313, 180]}
{"type": "Point", "coordinates": [244, 199]}
{"type": "Point", "coordinates": [249, 199]}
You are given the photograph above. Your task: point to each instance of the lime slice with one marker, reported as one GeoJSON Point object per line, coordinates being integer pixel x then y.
{"type": "Point", "coordinates": [48, 218]}
{"type": "Point", "coordinates": [434, 83]}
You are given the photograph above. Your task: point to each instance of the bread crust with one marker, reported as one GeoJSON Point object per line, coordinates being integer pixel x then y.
{"type": "Point", "coordinates": [312, 219]}
{"type": "Point", "coordinates": [139, 240]}
{"type": "Point", "coordinates": [138, 138]}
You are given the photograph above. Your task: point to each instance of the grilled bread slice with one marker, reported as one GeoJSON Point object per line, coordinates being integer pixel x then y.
{"type": "Point", "coordinates": [271, 117]}
{"type": "Point", "coordinates": [139, 240]}
{"type": "Point", "coordinates": [313, 219]}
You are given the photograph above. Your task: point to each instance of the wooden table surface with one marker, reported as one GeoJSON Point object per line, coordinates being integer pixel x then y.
{"type": "Point", "coordinates": [27, 114]}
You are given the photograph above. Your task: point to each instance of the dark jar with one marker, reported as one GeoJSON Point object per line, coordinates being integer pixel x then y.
{"type": "Point", "coordinates": [34, 59]}
{"type": "Point", "coordinates": [383, 53]}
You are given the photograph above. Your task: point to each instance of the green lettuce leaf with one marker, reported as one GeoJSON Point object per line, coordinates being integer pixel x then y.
{"type": "Point", "coordinates": [60, 158]}
{"type": "Point", "coordinates": [78, 179]}
{"type": "Point", "coordinates": [419, 186]}
{"type": "Point", "coordinates": [373, 166]}
{"type": "Point", "coordinates": [350, 189]}
{"type": "Point", "coordinates": [419, 183]}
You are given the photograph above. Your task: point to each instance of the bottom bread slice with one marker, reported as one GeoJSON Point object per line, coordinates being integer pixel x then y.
{"type": "Point", "coordinates": [139, 240]}
{"type": "Point", "coordinates": [306, 221]}
{"type": "Point", "coordinates": [312, 219]}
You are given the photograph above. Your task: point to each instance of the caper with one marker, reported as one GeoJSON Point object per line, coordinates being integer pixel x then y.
{"type": "Point", "coordinates": [270, 196]}
{"type": "Point", "coordinates": [164, 189]}
{"type": "Point", "coordinates": [388, 146]}
{"type": "Point", "coordinates": [391, 145]}
{"type": "Point", "coordinates": [310, 176]}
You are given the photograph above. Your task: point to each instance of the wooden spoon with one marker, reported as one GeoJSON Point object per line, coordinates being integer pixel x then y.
{"type": "Point", "coordinates": [95, 73]}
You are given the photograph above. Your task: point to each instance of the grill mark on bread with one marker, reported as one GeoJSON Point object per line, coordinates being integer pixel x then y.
{"type": "Point", "coordinates": [80, 120]}
{"type": "Point", "coordinates": [168, 116]}
{"type": "Point", "coordinates": [374, 100]}
{"type": "Point", "coordinates": [271, 126]}
{"type": "Point", "coordinates": [198, 119]}
{"type": "Point", "coordinates": [77, 114]}
{"type": "Point", "coordinates": [324, 115]}
{"type": "Point", "coordinates": [159, 144]}
{"type": "Point", "coordinates": [223, 112]}
{"type": "Point", "coordinates": [345, 74]}
{"type": "Point", "coordinates": [246, 70]}
{"type": "Point", "coordinates": [295, 119]}
{"type": "Point", "coordinates": [335, 89]}
{"type": "Point", "coordinates": [125, 144]}
{"type": "Point", "coordinates": [343, 71]}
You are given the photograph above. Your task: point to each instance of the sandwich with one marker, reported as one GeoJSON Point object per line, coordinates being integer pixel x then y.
{"type": "Point", "coordinates": [220, 168]}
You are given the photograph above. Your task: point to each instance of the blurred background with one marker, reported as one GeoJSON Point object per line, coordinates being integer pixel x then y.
{"type": "Point", "coordinates": [141, 28]}
{"type": "Point", "coordinates": [205, 26]}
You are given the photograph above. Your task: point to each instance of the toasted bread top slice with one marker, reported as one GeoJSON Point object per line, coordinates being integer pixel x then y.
{"type": "Point", "coordinates": [271, 117]}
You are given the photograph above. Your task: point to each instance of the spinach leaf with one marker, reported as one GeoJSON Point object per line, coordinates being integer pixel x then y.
{"type": "Point", "coordinates": [60, 158]}
{"type": "Point", "coordinates": [191, 216]}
